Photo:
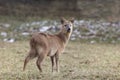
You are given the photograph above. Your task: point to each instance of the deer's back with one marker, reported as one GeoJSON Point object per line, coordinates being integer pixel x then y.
{"type": "Point", "coordinates": [49, 43]}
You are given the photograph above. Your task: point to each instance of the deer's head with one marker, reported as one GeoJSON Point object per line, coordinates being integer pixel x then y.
{"type": "Point", "coordinates": [67, 25]}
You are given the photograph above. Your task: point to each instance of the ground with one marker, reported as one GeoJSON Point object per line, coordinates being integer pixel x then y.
{"type": "Point", "coordinates": [80, 61]}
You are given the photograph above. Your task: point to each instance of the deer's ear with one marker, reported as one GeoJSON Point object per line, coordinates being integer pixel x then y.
{"type": "Point", "coordinates": [71, 20]}
{"type": "Point", "coordinates": [63, 20]}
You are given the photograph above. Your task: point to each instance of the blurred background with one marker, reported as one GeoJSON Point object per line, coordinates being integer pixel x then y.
{"type": "Point", "coordinates": [95, 20]}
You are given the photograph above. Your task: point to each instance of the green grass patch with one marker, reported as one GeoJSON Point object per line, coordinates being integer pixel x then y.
{"type": "Point", "coordinates": [80, 61]}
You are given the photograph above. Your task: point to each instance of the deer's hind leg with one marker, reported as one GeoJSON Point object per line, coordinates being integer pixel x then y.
{"type": "Point", "coordinates": [39, 61]}
{"type": "Point", "coordinates": [32, 54]}
{"type": "Point", "coordinates": [42, 54]}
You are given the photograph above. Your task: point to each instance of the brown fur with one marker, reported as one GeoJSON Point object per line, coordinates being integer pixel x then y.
{"type": "Point", "coordinates": [43, 44]}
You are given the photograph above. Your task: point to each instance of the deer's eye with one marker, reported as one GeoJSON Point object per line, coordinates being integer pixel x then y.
{"type": "Point", "coordinates": [65, 25]}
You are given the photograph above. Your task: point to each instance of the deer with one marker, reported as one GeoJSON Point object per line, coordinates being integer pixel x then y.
{"type": "Point", "coordinates": [52, 45]}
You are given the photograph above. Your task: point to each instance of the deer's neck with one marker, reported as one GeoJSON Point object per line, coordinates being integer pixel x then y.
{"type": "Point", "coordinates": [64, 37]}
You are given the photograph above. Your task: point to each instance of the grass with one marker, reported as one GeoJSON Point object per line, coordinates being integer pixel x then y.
{"type": "Point", "coordinates": [80, 61]}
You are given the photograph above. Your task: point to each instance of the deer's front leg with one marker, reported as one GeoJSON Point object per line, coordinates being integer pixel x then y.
{"type": "Point", "coordinates": [53, 62]}
{"type": "Point", "coordinates": [57, 61]}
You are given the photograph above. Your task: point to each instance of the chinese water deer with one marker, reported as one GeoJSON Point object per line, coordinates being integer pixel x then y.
{"type": "Point", "coordinates": [43, 44]}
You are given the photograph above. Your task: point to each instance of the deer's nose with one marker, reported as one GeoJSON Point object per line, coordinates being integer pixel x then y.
{"type": "Point", "coordinates": [68, 30]}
